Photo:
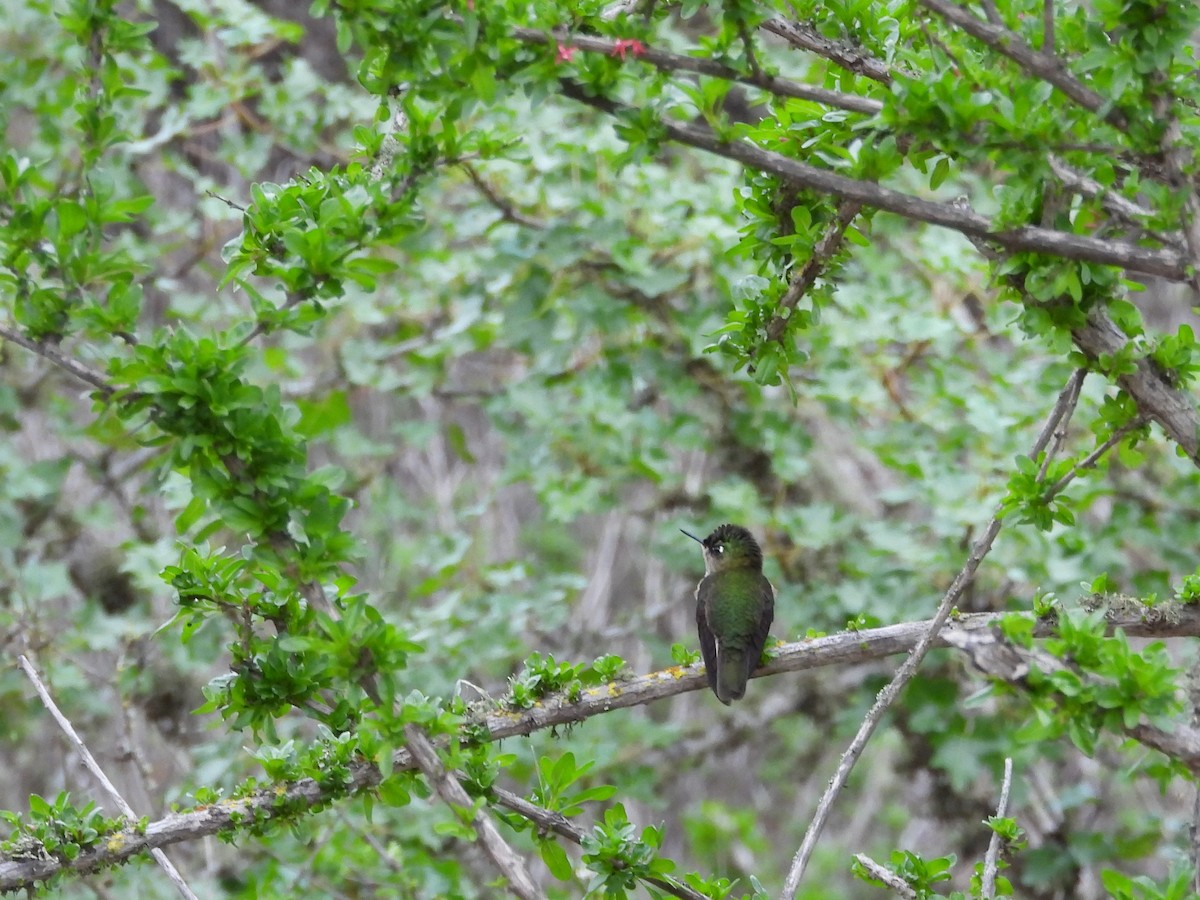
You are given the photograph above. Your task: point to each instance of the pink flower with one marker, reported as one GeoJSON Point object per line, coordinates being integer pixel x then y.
{"type": "Point", "coordinates": [633, 45]}
{"type": "Point", "coordinates": [565, 53]}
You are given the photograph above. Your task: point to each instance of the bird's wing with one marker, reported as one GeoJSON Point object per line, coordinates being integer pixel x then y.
{"type": "Point", "coordinates": [708, 643]}
{"type": "Point", "coordinates": [762, 628]}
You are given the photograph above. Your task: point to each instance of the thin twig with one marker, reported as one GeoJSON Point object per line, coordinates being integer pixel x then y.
{"type": "Point", "coordinates": [60, 359]}
{"type": "Point", "coordinates": [806, 275]}
{"type": "Point", "coordinates": [1092, 458]}
{"type": "Point", "coordinates": [98, 773]}
{"type": "Point", "coordinates": [910, 665]}
{"type": "Point", "coordinates": [549, 820]}
{"type": "Point", "coordinates": [991, 861]}
{"type": "Point", "coordinates": [455, 795]}
{"type": "Point", "coordinates": [508, 210]}
{"type": "Point", "coordinates": [890, 879]}
{"type": "Point", "coordinates": [1048, 27]}
{"type": "Point", "coordinates": [1060, 434]}
{"type": "Point", "coordinates": [674, 62]}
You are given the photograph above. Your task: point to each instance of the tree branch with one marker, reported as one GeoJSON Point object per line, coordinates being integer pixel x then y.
{"type": "Point", "coordinates": [1163, 262]}
{"type": "Point", "coordinates": [287, 799]}
{"type": "Point", "coordinates": [455, 796]}
{"type": "Point", "coordinates": [98, 773]}
{"type": "Point", "coordinates": [1059, 415]}
{"type": "Point", "coordinates": [890, 879]}
{"type": "Point", "coordinates": [852, 59]}
{"type": "Point", "coordinates": [1157, 398]}
{"type": "Point", "coordinates": [806, 275]}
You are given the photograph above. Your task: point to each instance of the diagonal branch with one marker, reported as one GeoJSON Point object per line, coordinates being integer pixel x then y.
{"type": "Point", "coordinates": [1165, 263]}
{"type": "Point", "coordinates": [849, 648]}
{"type": "Point", "coordinates": [60, 359]}
{"type": "Point", "coordinates": [852, 59]}
{"type": "Point", "coordinates": [1045, 65]}
{"type": "Point", "coordinates": [1157, 397]}
{"type": "Point", "coordinates": [804, 277]}
{"type": "Point", "coordinates": [549, 820]}
{"type": "Point", "coordinates": [1060, 415]}
{"type": "Point", "coordinates": [455, 796]}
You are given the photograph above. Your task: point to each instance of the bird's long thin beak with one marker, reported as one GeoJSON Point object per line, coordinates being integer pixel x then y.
{"type": "Point", "coordinates": [692, 536]}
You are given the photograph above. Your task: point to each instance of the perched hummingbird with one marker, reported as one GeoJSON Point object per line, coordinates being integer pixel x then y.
{"type": "Point", "coordinates": [734, 608]}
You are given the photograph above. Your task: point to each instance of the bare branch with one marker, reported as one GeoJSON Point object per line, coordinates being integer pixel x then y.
{"type": "Point", "coordinates": [60, 359]}
{"type": "Point", "coordinates": [1069, 399]}
{"type": "Point", "coordinates": [909, 667]}
{"type": "Point", "coordinates": [853, 59]}
{"type": "Point", "coordinates": [507, 209]}
{"type": "Point", "coordinates": [1165, 263]}
{"type": "Point", "coordinates": [1048, 27]}
{"type": "Point", "coordinates": [455, 795]}
{"type": "Point", "coordinates": [92, 766]}
{"type": "Point", "coordinates": [991, 861]}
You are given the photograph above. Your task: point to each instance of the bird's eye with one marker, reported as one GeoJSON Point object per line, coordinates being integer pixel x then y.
{"type": "Point", "coordinates": [720, 548]}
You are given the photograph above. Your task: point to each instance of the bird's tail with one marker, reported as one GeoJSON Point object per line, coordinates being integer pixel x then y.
{"type": "Point", "coordinates": [733, 671]}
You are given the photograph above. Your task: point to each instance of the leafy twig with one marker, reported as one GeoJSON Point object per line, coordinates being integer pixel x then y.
{"type": "Point", "coordinates": [991, 861]}
{"type": "Point", "coordinates": [1045, 66]}
{"type": "Point", "coordinates": [674, 62]}
{"type": "Point", "coordinates": [549, 820]}
{"type": "Point", "coordinates": [898, 885]}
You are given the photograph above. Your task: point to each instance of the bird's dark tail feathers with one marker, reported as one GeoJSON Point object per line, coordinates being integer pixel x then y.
{"type": "Point", "coordinates": [733, 671]}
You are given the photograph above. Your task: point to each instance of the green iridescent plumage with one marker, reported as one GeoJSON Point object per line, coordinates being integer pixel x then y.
{"type": "Point", "coordinates": [734, 608]}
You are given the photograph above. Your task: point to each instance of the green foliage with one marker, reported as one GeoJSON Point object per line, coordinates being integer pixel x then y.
{"type": "Point", "coordinates": [620, 855]}
{"type": "Point", "coordinates": [1177, 885]}
{"type": "Point", "coordinates": [1105, 685]}
{"type": "Point", "coordinates": [57, 828]}
{"type": "Point", "coordinates": [543, 676]}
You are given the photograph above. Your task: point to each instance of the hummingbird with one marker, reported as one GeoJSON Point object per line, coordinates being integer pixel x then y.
{"type": "Point", "coordinates": [734, 608]}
